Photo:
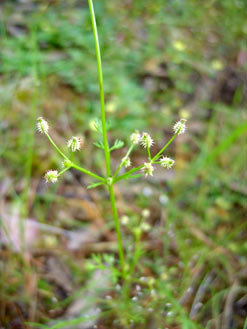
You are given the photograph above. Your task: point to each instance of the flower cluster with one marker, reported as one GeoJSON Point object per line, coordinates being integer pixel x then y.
{"type": "Point", "coordinates": [51, 176]}
{"type": "Point", "coordinates": [146, 140]}
{"type": "Point", "coordinates": [166, 162]}
{"type": "Point", "coordinates": [126, 162]}
{"type": "Point", "coordinates": [148, 169]}
{"type": "Point", "coordinates": [135, 137]}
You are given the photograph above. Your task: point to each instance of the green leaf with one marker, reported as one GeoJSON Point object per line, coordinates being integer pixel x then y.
{"type": "Point", "coordinates": [117, 145]}
{"type": "Point", "coordinates": [72, 321]}
{"type": "Point", "coordinates": [99, 144]}
{"type": "Point", "coordinates": [37, 325]}
{"type": "Point", "coordinates": [94, 185]}
{"type": "Point", "coordinates": [98, 125]}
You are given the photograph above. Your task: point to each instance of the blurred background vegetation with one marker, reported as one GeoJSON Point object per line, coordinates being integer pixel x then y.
{"type": "Point", "coordinates": [162, 60]}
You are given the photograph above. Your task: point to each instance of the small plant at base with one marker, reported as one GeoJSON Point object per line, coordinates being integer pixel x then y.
{"type": "Point", "coordinates": [109, 180]}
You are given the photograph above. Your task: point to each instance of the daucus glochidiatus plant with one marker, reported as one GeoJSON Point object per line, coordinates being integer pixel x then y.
{"type": "Point", "coordinates": [110, 179]}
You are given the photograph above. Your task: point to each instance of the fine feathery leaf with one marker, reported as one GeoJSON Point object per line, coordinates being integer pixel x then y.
{"type": "Point", "coordinates": [99, 144]}
{"type": "Point", "coordinates": [98, 125]}
{"type": "Point", "coordinates": [117, 145]}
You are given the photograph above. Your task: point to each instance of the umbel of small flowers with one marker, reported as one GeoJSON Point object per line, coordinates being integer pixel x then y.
{"type": "Point", "coordinates": [146, 141]}
{"type": "Point", "coordinates": [143, 139]}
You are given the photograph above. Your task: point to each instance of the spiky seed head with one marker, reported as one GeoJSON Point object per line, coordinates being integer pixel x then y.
{"type": "Point", "coordinates": [51, 176]}
{"type": "Point", "coordinates": [126, 162]}
{"type": "Point", "coordinates": [148, 169]}
{"type": "Point", "coordinates": [42, 125]}
{"type": "Point", "coordinates": [146, 140]}
{"type": "Point", "coordinates": [74, 143]}
{"type": "Point", "coordinates": [180, 127]}
{"type": "Point", "coordinates": [135, 137]}
{"type": "Point", "coordinates": [166, 162]}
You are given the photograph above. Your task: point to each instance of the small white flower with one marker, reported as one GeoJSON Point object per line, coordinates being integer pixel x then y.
{"type": "Point", "coordinates": [74, 143]}
{"type": "Point", "coordinates": [135, 137]}
{"type": "Point", "coordinates": [51, 176]}
{"type": "Point", "coordinates": [148, 169]}
{"type": "Point", "coordinates": [166, 162]}
{"type": "Point", "coordinates": [180, 127]}
{"type": "Point", "coordinates": [42, 125]}
{"type": "Point", "coordinates": [126, 162]}
{"type": "Point", "coordinates": [146, 140]}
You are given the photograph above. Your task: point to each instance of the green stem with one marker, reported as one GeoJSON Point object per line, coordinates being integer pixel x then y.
{"type": "Point", "coordinates": [85, 171]}
{"type": "Point", "coordinates": [163, 149]}
{"type": "Point", "coordinates": [123, 176]}
{"type": "Point", "coordinates": [122, 163]}
{"type": "Point", "coordinates": [101, 88]}
{"type": "Point", "coordinates": [149, 154]}
{"type": "Point", "coordinates": [56, 147]}
{"type": "Point", "coordinates": [104, 133]}
{"type": "Point", "coordinates": [63, 171]}
{"type": "Point", "coordinates": [117, 227]}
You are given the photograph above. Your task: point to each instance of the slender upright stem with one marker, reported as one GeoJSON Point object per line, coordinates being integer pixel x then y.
{"type": "Point", "coordinates": [104, 133]}
{"type": "Point", "coordinates": [117, 227]}
{"type": "Point", "coordinates": [101, 88]}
